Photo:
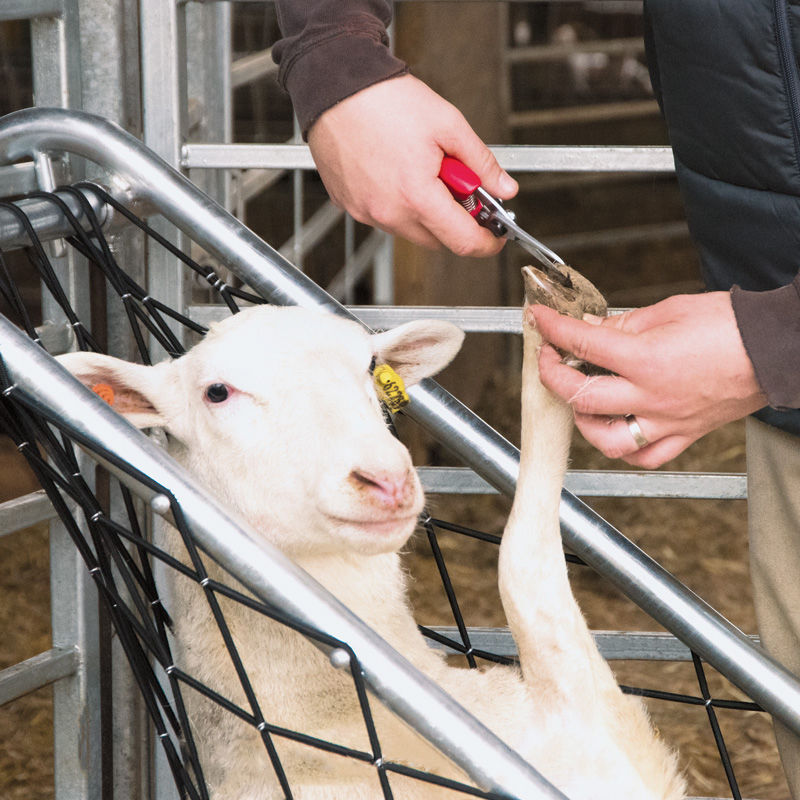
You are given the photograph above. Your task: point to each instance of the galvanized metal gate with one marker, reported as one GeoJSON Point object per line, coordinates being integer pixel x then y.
{"type": "Point", "coordinates": [171, 75]}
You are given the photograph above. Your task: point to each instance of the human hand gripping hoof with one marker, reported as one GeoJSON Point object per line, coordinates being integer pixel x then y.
{"type": "Point", "coordinates": [676, 370]}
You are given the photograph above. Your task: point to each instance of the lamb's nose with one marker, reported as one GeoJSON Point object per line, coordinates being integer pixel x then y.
{"type": "Point", "coordinates": [391, 489]}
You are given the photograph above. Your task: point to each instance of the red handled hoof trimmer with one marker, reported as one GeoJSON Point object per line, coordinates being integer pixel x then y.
{"type": "Point", "coordinates": [465, 186]}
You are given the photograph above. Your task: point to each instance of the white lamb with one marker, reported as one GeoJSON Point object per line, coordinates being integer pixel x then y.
{"type": "Point", "coordinates": [276, 413]}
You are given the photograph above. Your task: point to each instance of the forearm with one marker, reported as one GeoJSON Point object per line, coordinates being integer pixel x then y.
{"type": "Point", "coordinates": [332, 49]}
{"type": "Point", "coordinates": [769, 323]}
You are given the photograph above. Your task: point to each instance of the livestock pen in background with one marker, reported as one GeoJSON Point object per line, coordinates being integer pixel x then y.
{"type": "Point", "coordinates": [569, 111]}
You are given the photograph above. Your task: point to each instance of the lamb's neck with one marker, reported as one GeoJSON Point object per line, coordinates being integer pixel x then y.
{"type": "Point", "coordinates": [356, 579]}
{"type": "Point", "coordinates": [374, 588]}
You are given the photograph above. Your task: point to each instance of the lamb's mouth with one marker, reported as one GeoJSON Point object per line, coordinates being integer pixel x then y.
{"type": "Point", "coordinates": [376, 526]}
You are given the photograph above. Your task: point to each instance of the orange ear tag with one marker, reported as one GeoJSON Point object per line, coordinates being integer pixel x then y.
{"type": "Point", "coordinates": [390, 387]}
{"type": "Point", "coordinates": [105, 392]}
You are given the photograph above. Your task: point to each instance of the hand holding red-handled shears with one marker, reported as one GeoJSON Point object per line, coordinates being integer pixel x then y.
{"type": "Point", "coordinates": [385, 173]}
{"type": "Point", "coordinates": [465, 186]}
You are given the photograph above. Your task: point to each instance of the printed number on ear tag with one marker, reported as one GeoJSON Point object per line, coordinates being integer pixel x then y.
{"type": "Point", "coordinates": [390, 387]}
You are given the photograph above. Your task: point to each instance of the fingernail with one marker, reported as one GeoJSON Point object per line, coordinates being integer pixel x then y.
{"type": "Point", "coordinates": [592, 319]}
{"type": "Point", "coordinates": [530, 319]}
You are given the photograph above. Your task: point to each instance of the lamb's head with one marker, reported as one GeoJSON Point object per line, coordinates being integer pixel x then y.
{"type": "Point", "coordinates": [276, 412]}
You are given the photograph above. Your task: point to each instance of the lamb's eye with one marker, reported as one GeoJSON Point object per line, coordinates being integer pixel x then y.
{"type": "Point", "coordinates": [373, 364]}
{"type": "Point", "coordinates": [217, 393]}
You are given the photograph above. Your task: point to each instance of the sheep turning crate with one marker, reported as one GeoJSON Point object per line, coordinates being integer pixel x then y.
{"type": "Point", "coordinates": [48, 414]}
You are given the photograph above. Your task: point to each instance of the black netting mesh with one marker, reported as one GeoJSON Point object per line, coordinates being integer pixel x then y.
{"type": "Point", "coordinates": [122, 558]}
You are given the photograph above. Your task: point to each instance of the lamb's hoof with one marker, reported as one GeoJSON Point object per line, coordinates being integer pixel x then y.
{"type": "Point", "coordinates": [579, 297]}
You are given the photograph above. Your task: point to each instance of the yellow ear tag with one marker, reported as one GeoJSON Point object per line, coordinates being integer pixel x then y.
{"type": "Point", "coordinates": [390, 387]}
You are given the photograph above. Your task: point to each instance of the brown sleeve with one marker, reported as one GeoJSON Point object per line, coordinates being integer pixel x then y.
{"type": "Point", "coordinates": [770, 326]}
{"type": "Point", "coordinates": [332, 49]}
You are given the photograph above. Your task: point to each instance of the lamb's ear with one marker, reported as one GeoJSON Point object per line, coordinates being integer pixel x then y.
{"type": "Point", "coordinates": [418, 349]}
{"type": "Point", "coordinates": [131, 389]}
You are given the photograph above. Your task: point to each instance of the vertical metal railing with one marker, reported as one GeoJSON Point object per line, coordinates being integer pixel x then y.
{"type": "Point", "coordinates": [73, 663]}
{"type": "Point", "coordinates": [187, 97]}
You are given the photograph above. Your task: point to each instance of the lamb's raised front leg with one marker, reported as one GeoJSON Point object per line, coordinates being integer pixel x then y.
{"type": "Point", "coordinates": [557, 653]}
{"type": "Point", "coordinates": [560, 663]}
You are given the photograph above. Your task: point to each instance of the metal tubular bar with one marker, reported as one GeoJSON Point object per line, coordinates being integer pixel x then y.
{"type": "Point", "coordinates": [57, 338]}
{"type": "Point", "coordinates": [164, 112]}
{"type": "Point", "coordinates": [558, 52]}
{"type": "Point", "coordinates": [253, 182]}
{"type": "Point", "coordinates": [355, 268]}
{"type": "Point", "coordinates": [22, 512]}
{"type": "Point", "coordinates": [614, 645]}
{"type": "Point", "coordinates": [298, 194]}
{"type": "Point", "coordinates": [75, 623]}
{"type": "Point", "coordinates": [36, 672]}
{"type": "Point", "coordinates": [30, 9]}
{"type": "Point", "coordinates": [59, 80]}
{"type": "Point", "coordinates": [471, 319]}
{"type": "Point", "coordinates": [47, 219]}
{"type": "Point", "coordinates": [584, 159]}
{"type": "Point", "coordinates": [515, 158]}
{"type": "Point", "coordinates": [578, 115]}
{"type": "Point", "coordinates": [270, 575]}
{"type": "Point", "coordinates": [253, 67]}
{"type": "Point", "coordinates": [17, 179]}
{"type": "Point", "coordinates": [605, 483]}
{"type": "Point", "coordinates": [476, 443]}
{"type": "Point", "coordinates": [633, 234]}
{"type": "Point", "coordinates": [246, 156]}
{"type": "Point", "coordinates": [698, 485]}
{"type": "Point", "coordinates": [314, 230]}
{"type": "Point", "coordinates": [383, 273]}
{"type": "Point", "coordinates": [349, 271]}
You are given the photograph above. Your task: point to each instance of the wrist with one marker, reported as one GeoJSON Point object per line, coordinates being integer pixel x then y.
{"type": "Point", "coordinates": [769, 324]}
{"type": "Point", "coordinates": [361, 57]}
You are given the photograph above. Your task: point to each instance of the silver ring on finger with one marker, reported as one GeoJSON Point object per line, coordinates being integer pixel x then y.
{"type": "Point", "coordinates": [636, 431]}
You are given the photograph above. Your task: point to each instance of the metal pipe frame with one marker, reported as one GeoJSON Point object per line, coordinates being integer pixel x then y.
{"type": "Point", "coordinates": [514, 158]}
{"type": "Point", "coordinates": [604, 483]}
{"type": "Point", "coordinates": [18, 179]}
{"type": "Point", "coordinates": [31, 9]}
{"type": "Point", "coordinates": [59, 79]}
{"type": "Point", "coordinates": [47, 219]}
{"type": "Point", "coordinates": [264, 570]}
{"type": "Point", "coordinates": [34, 673]}
{"type": "Point", "coordinates": [489, 454]}
{"type": "Point", "coordinates": [253, 67]}
{"type": "Point", "coordinates": [471, 319]}
{"type": "Point", "coordinates": [22, 512]}
{"type": "Point", "coordinates": [614, 645]}
{"type": "Point", "coordinates": [632, 45]}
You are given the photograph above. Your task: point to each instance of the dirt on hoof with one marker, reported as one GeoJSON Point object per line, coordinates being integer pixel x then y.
{"type": "Point", "coordinates": [578, 297]}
